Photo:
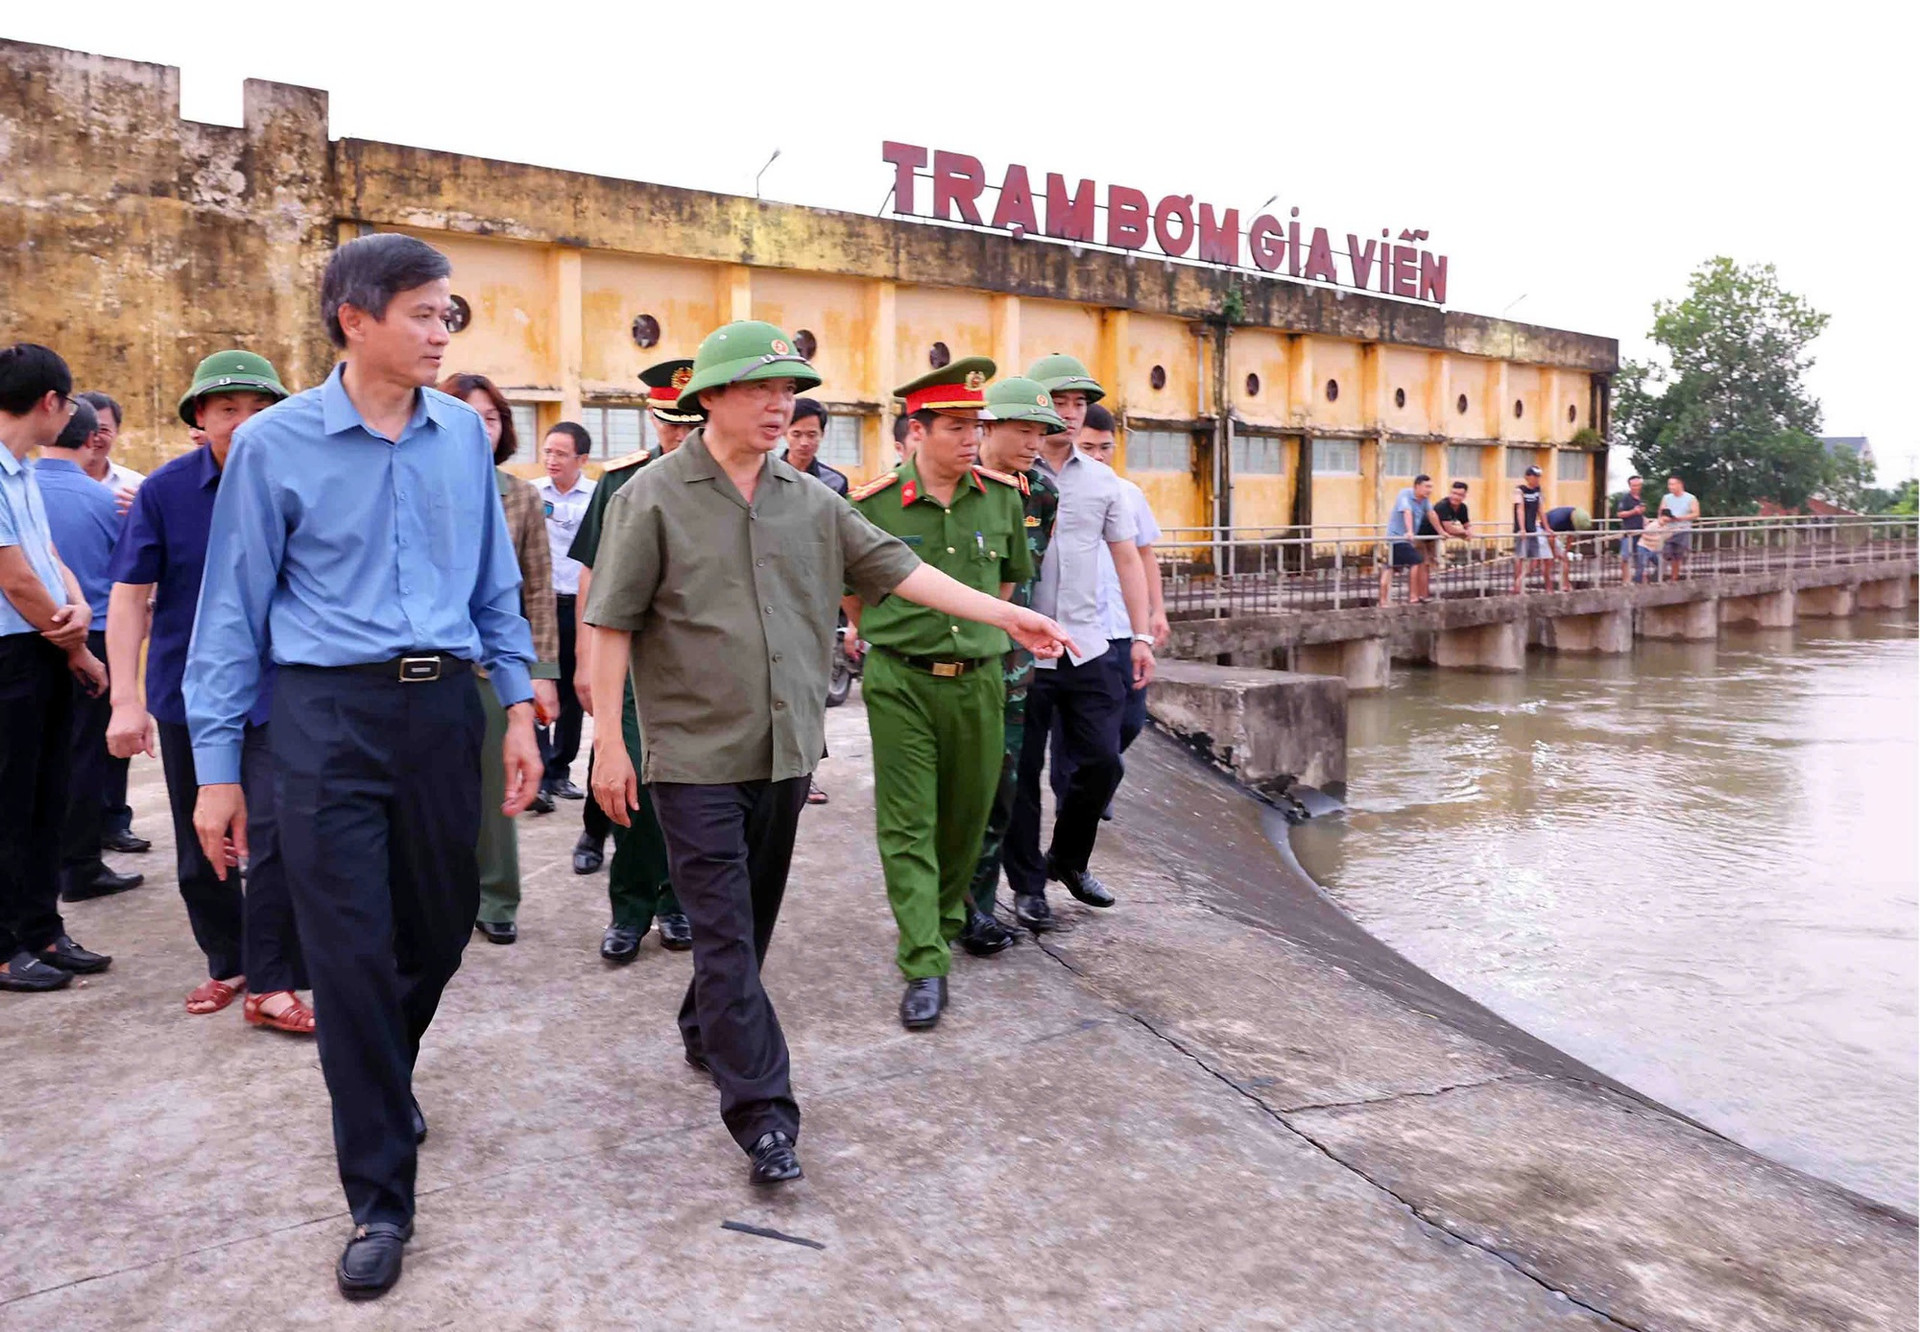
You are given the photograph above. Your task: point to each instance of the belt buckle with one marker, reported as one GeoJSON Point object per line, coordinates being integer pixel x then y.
{"type": "Point", "coordinates": [419, 670]}
{"type": "Point", "coordinates": [946, 670]}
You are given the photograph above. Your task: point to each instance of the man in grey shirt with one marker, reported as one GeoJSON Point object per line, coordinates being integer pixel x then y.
{"type": "Point", "coordinates": [1086, 688]}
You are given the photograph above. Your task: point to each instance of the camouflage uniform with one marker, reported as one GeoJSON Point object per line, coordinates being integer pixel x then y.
{"type": "Point", "coordinates": [1042, 501]}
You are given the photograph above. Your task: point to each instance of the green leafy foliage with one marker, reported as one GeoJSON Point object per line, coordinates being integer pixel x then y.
{"type": "Point", "coordinates": [1725, 405]}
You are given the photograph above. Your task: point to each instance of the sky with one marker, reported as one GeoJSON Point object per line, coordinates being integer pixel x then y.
{"type": "Point", "coordinates": [1575, 162]}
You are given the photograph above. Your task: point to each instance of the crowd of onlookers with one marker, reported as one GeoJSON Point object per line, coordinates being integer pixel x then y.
{"type": "Point", "coordinates": [1423, 532]}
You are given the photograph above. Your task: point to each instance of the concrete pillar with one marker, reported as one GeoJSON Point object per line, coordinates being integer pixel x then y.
{"type": "Point", "coordinates": [1608, 632]}
{"type": "Point", "coordinates": [1691, 620]}
{"type": "Point", "coordinates": [570, 327]}
{"type": "Point", "coordinates": [1825, 602]}
{"type": "Point", "coordinates": [1269, 729]}
{"type": "Point", "coordinates": [1260, 659]}
{"type": "Point", "coordinates": [1483, 647]}
{"type": "Point", "coordinates": [1364, 663]}
{"type": "Point", "coordinates": [1769, 610]}
{"type": "Point", "coordinates": [1886, 594]}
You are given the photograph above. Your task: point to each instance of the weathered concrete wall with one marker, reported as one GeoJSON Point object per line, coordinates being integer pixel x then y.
{"type": "Point", "coordinates": [1694, 621]}
{"type": "Point", "coordinates": [1606, 632]}
{"type": "Point", "coordinates": [1269, 729]}
{"type": "Point", "coordinates": [135, 243]}
{"type": "Point", "coordinates": [1364, 663]}
{"type": "Point", "coordinates": [1769, 610]}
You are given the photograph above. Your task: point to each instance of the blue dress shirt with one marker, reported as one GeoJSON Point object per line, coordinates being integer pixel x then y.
{"type": "Point", "coordinates": [23, 523]}
{"type": "Point", "coordinates": [85, 524]}
{"type": "Point", "coordinates": [334, 546]}
{"type": "Point", "coordinates": [165, 545]}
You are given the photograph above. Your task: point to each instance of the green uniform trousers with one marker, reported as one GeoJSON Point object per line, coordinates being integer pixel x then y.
{"type": "Point", "coordinates": [986, 876]}
{"type": "Point", "coordinates": [937, 754]}
{"type": "Point", "coordinates": [637, 880]}
{"type": "Point", "coordinates": [499, 848]}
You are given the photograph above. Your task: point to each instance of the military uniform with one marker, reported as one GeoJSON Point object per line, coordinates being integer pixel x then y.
{"type": "Point", "coordinates": [933, 685]}
{"type": "Point", "coordinates": [1017, 400]}
{"type": "Point", "coordinates": [638, 882]}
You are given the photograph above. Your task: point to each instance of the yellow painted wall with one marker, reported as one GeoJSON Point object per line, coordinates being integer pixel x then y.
{"type": "Point", "coordinates": [1175, 500]}
{"type": "Point", "coordinates": [926, 315]}
{"type": "Point", "coordinates": [1405, 372]}
{"type": "Point", "coordinates": [834, 311]}
{"type": "Point", "coordinates": [614, 290]}
{"type": "Point", "coordinates": [1339, 361]}
{"type": "Point", "coordinates": [1262, 352]}
{"type": "Point", "coordinates": [1166, 343]}
{"type": "Point", "coordinates": [513, 337]}
{"type": "Point", "coordinates": [1047, 327]}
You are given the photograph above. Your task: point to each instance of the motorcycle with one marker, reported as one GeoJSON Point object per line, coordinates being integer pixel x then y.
{"type": "Point", "coordinates": [846, 669]}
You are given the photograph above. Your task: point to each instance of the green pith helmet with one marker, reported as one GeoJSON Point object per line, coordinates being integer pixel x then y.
{"type": "Point", "coordinates": [231, 372]}
{"type": "Point", "coordinates": [1582, 520]}
{"type": "Point", "coordinates": [744, 350]}
{"type": "Point", "coordinates": [1020, 399]}
{"type": "Point", "coordinates": [954, 387]}
{"type": "Point", "coordinates": [1062, 374]}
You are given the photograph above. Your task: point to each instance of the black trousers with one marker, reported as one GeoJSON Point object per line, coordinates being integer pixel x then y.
{"type": "Point", "coordinates": [593, 818]}
{"type": "Point", "coordinates": [250, 932]}
{"type": "Point", "coordinates": [119, 813]}
{"type": "Point", "coordinates": [89, 785]}
{"type": "Point", "coordinates": [1089, 700]}
{"type": "Point", "coordinates": [1133, 720]}
{"type": "Point", "coordinates": [729, 848]}
{"type": "Point", "coordinates": [377, 784]}
{"type": "Point", "coordinates": [560, 743]}
{"type": "Point", "coordinates": [36, 751]}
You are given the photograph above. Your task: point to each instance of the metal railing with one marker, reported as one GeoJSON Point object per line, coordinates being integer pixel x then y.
{"type": "Point", "coordinates": [1265, 571]}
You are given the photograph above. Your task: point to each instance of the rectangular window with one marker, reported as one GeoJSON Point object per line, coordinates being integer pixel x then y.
{"type": "Point", "coordinates": [1397, 460]}
{"type": "Point", "coordinates": [1463, 460]}
{"type": "Point", "coordinates": [526, 431]}
{"type": "Point", "coordinates": [617, 431]}
{"type": "Point", "coordinates": [1257, 455]}
{"type": "Point", "coordinates": [1159, 451]}
{"type": "Point", "coordinates": [1574, 465]}
{"type": "Point", "coordinates": [1336, 457]}
{"type": "Point", "coordinates": [1518, 461]}
{"type": "Point", "coordinates": [840, 446]}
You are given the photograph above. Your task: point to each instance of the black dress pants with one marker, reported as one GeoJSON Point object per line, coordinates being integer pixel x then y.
{"type": "Point", "coordinates": [593, 818]}
{"type": "Point", "coordinates": [248, 931]}
{"type": "Point", "coordinates": [36, 750]}
{"type": "Point", "coordinates": [1089, 700]}
{"type": "Point", "coordinates": [89, 785]}
{"type": "Point", "coordinates": [560, 743]}
{"type": "Point", "coordinates": [729, 848]}
{"type": "Point", "coordinates": [377, 785]}
{"type": "Point", "coordinates": [1133, 720]}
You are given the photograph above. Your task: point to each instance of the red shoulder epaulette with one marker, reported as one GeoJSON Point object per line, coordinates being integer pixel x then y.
{"type": "Point", "coordinates": [1019, 483]}
{"type": "Point", "coordinates": [874, 487]}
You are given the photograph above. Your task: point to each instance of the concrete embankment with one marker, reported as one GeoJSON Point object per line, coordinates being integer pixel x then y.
{"type": "Point", "coordinates": [1217, 1105]}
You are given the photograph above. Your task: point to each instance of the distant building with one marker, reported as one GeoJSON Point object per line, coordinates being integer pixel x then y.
{"type": "Point", "coordinates": [1854, 444]}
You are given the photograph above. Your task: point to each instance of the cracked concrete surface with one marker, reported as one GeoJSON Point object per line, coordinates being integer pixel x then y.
{"type": "Point", "coordinates": [1212, 1106]}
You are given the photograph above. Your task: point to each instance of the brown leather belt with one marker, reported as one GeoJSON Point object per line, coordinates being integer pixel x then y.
{"type": "Point", "coordinates": [944, 668]}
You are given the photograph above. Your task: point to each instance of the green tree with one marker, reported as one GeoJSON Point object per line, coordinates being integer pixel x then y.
{"type": "Point", "coordinates": [1724, 403]}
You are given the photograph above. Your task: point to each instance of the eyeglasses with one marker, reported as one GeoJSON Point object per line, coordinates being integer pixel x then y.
{"type": "Point", "coordinates": [71, 405]}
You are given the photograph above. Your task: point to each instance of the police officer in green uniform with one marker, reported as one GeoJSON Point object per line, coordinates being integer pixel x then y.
{"type": "Point", "coordinates": [1019, 414]}
{"type": "Point", "coordinates": [637, 882]}
{"type": "Point", "coordinates": [933, 684]}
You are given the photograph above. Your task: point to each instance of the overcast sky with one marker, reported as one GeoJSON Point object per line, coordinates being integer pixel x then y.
{"type": "Point", "coordinates": [1575, 162]}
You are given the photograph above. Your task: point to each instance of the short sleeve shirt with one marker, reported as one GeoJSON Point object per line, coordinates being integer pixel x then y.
{"type": "Point", "coordinates": [23, 523]}
{"type": "Point", "coordinates": [586, 539]}
{"type": "Point", "coordinates": [1113, 602]}
{"type": "Point", "coordinates": [85, 524]}
{"type": "Point", "coordinates": [978, 538]}
{"type": "Point", "coordinates": [1093, 512]}
{"type": "Point", "coordinates": [1447, 511]}
{"type": "Point", "coordinates": [733, 607]}
{"type": "Point", "coordinates": [1682, 508]}
{"type": "Point", "coordinates": [1632, 513]}
{"type": "Point", "coordinates": [1409, 511]}
{"type": "Point", "coordinates": [564, 510]}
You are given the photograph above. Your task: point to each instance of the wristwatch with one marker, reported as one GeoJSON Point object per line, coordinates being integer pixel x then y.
{"type": "Point", "coordinates": [1144, 638]}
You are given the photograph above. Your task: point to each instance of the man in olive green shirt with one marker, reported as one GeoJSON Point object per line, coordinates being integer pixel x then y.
{"type": "Point", "coordinates": [935, 701]}
{"type": "Point", "coordinates": [718, 589]}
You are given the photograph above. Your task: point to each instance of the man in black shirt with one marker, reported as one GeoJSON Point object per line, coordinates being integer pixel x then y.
{"type": "Point", "coordinates": [809, 427]}
{"type": "Point", "coordinates": [1631, 510]}
{"type": "Point", "coordinates": [1530, 544]}
{"type": "Point", "coordinates": [1450, 515]}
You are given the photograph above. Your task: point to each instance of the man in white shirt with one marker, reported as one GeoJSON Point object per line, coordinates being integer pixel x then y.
{"type": "Point", "coordinates": [1097, 442]}
{"type": "Point", "coordinates": [564, 492]}
{"type": "Point", "coordinates": [95, 459]}
{"type": "Point", "coordinates": [1087, 689]}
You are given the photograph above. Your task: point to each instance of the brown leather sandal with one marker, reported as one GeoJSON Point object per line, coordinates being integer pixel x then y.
{"type": "Point", "coordinates": [296, 1018]}
{"type": "Point", "coordinates": [211, 996]}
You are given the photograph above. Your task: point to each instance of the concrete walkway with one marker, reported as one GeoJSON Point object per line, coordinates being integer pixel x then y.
{"type": "Point", "coordinates": [1211, 1107]}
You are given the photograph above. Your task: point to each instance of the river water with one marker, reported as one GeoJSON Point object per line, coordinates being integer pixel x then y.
{"type": "Point", "coordinates": [1693, 868]}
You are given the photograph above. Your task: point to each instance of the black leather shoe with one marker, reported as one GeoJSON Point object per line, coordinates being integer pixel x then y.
{"type": "Point", "coordinates": [1031, 910]}
{"type": "Point", "coordinates": [370, 1264]}
{"type": "Point", "coordinates": [589, 854]}
{"type": "Point", "coordinates": [542, 804]}
{"type": "Point", "coordinates": [1082, 885]}
{"type": "Point", "coordinates": [498, 931]}
{"type": "Point", "coordinates": [25, 972]}
{"type": "Point", "coordinates": [565, 790]}
{"type": "Point", "coordinates": [418, 1120]}
{"type": "Point", "coordinates": [676, 933]}
{"type": "Point", "coordinates": [125, 842]}
{"type": "Point", "coordinates": [102, 883]}
{"type": "Point", "coordinates": [620, 943]}
{"type": "Point", "coordinates": [774, 1161]}
{"type": "Point", "coordinates": [920, 1006]}
{"type": "Point", "coordinates": [67, 955]}
{"type": "Point", "coordinates": [984, 936]}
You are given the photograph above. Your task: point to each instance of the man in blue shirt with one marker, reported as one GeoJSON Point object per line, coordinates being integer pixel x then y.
{"type": "Point", "coordinates": [357, 530]}
{"type": "Point", "coordinates": [1411, 508]}
{"type": "Point", "coordinates": [85, 524]}
{"type": "Point", "coordinates": [249, 939]}
{"type": "Point", "coordinates": [43, 643]}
